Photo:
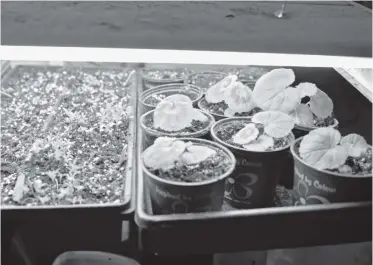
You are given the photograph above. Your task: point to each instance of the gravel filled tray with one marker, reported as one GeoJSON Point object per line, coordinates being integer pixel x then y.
{"type": "Point", "coordinates": [67, 137]}
{"type": "Point", "coordinates": [284, 224]}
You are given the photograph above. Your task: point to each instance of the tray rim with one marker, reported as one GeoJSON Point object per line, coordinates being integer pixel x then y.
{"type": "Point", "coordinates": [145, 220]}
{"type": "Point", "coordinates": [126, 205]}
{"type": "Point", "coordinates": [148, 221]}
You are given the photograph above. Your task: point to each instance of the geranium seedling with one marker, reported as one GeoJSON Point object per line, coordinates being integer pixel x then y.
{"type": "Point", "coordinates": [273, 91]}
{"type": "Point", "coordinates": [175, 113]}
{"type": "Point", "coordinates": [267, 131]}
{"type": "Point", "coordinates": [180, 160]}
{"type": "Point", "coordinates": [230, 97]}
{"type": "Point", "coordinates": [325, 149]}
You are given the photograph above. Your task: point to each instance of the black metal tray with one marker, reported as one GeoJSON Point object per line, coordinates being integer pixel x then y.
{"type": "Point", "coordinates": [267, 228]}
{"type": "Point", "coordinates": [122, 211]}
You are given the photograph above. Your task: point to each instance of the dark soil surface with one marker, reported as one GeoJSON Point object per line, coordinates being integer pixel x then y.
{"type": "Point", "coordinates": [211, 168]}
{"type": "Point", "coordinates": [58, 131]}
{"type": "Point", "coordinates": [227, 131]}
{"type": "Point", "coordinates": [219, 108]}
{"type": "Point", "coordinates": [196, 126]}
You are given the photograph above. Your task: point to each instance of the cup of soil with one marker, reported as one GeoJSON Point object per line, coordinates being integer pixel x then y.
{"type": "Point", "coordinates": [186, 175]}
{"type": "Point", "coordinates": [198, 129]}
{"type": "Point", "coordinates": [254, 181]}
{"type": "Point", "coordinates": [151, 97]}
{"type": "Point", "coordinates": [350, 158]}
{"type": "Point", "coordinates": [175, 117]}
{"type": "Point", "coordinates": [156, 77]}
{"type": "Point", "coordinates": [204, 80]}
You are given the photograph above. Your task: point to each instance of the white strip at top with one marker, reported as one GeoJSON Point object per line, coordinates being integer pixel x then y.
{"type": "Point", "coordinates": [74, 54]}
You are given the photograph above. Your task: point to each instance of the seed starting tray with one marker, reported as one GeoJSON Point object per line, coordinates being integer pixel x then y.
{"type": "Point", "coordinates": [281, 226]}
{"type": "Point", "coordinates": [118, 210]}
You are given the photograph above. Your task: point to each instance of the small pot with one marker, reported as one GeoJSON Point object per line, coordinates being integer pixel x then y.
{"type": "Point", "coordinates": [193, 92]}
{"type": "Point", "coordinates": [314, 186]}
{"type": "Point", "coordinates": [205, 80]}
{"type": "Point", "coordinates": [150, 135]}
{"type": "Point", "coordinates": [168, 197]}
{"type": "Point", "coordinates": [287, 172]}
{"type": "Point", "coordinates": [253, 183]}
{"type": "Point", "coordinates": [150, 82]}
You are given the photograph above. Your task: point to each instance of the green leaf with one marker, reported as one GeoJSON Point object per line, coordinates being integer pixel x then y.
{"type": "Point", "coordinates": [276, 124]}
{"type": "Point", "coordinates": [320, 149]}
{"type": "Point", "coordinates": [303, 115]}
{"type": "Point", "coordinates": [263, 143]}
{"type": "Point", "coordinates": [215, 93]}
{"type": "Point", "coordinates": [307, 89]}
{"type": "Point", "coordinates": [175, 113]}
{"type": "Point", "coordinates": [163, 153]}
{"type": "Point", "coordinates": [239, 98]}
{"type": "Point", "coordinates": [246, 135]}
{"type": "Point", "coordinates": [195, 154]}
{"type": "Point", "coordinates": [356, 145]}
{"type": "Point", "coordinates": [321, 104]}
{"type": "Point", "coordinates": [272, 91]}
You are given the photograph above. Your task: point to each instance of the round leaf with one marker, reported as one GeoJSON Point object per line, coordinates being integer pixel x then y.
{"type": "Point", "coordinates": [307, 89]}
{"type": "Point", "coordinates": [355, 144]}
{"type": "Point", "coordinates": [215, 93]}
{"type": "Point", "coordinates": [175, 113]}
{"type": "Point", "coordinates": [261, 144]}
{"type": "Point", "coordinates": [195, 154]}
{"type": "Point", "coordinates": [320, 149]}
{"type": "Point", "coordinates": [272, 91]}
{"type": "Point", "coordinates": [246, 135]}
{"type": "Point", "coordinates": [321, 104]}
{"type": "Point", "coordinates": [239, 98]}
{"type": "Point", "coordinates": [164, 153]}
{"type": "Point", "coordinates": [303, 115]}
{"type": "Point", "coordinates": [276, 124]}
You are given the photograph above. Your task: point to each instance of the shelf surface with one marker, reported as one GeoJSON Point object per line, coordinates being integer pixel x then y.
{"type": "Point", "coordinates": [311, 27]}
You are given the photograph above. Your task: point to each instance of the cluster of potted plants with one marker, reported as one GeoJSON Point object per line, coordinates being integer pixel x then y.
{"type": "Point", "coordinates": [249, 131]}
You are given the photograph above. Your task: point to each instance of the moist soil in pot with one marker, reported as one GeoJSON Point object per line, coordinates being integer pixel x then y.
{"type": "Point", "coordinates": [195, 127]}
{"type": "Point", "coordinates": [226, 134]}
{"type": "Point", "coordinates": [81, 157]}
{"type": "Point", "coordinates": [153, 100]}
{"type": "Point", "coordinates": [353, 166]}
{"type": "Point", "coordinates": [211, 168]}
{"type": "Point", "coordinates": [219, 108]}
